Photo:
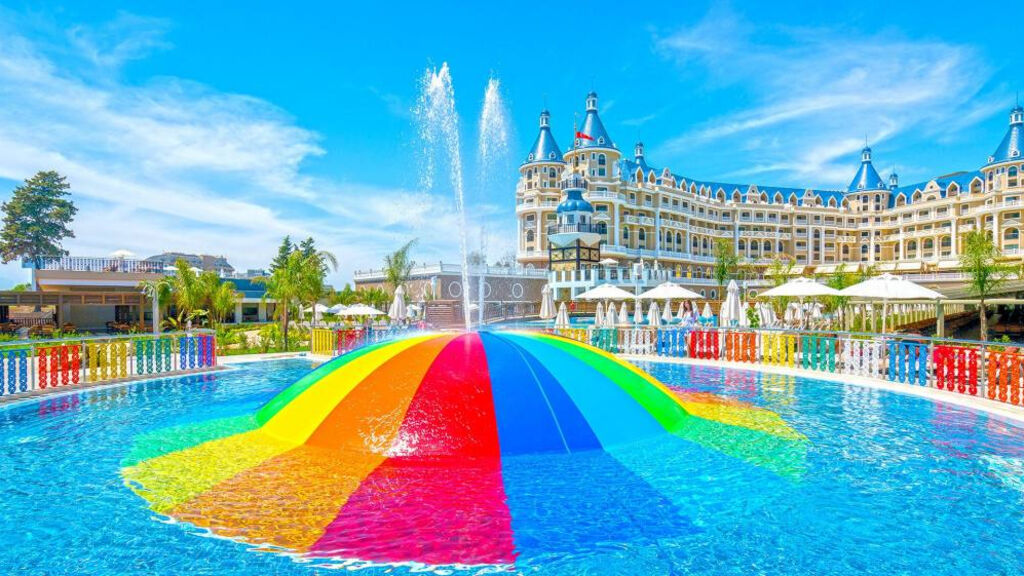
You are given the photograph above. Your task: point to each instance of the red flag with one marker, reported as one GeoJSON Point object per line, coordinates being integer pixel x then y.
{"type": "Point", "coordinates": [582, 135]}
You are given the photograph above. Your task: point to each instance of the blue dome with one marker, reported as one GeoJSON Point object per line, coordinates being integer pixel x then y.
{"type": "Point", "coordinates": [1010, 147]}
{"type": "Point", "coordinates": [544, 149]}
{"type": "Point", "coordinates": [574, 202]}
{"type": "Point", "coordinates": [867, 177]}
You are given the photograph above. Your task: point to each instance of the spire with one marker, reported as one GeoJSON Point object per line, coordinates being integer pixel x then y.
{"type": "Point", "coordinates": [638, 151]}
{"type": "Point", "coordinates": [592, 134]}
{"type": "Point", "coordinates": [1013, 141]}
{"type": "Point", "coordinates": [867, 177]}
{"type": "Point", "coordinates": [894, 180]}
{"type": "Point", "coordinates": [544, 149]}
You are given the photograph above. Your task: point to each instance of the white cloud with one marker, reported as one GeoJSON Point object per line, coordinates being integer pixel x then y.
{"type": "Point", "coordinates": [820, 92]}
{"type": "Point", "coordinates": [175, 165]}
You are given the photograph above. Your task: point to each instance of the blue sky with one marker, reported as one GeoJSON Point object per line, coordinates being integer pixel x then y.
{"type": "Point", "coordinates": [187, 126]}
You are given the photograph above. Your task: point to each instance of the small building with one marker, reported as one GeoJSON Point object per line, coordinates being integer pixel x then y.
{"type": "Point", "coordinates": [102, 294]}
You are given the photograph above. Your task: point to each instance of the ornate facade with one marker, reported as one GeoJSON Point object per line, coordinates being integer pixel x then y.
{"type": "Point", "coordinates": [648, 213]}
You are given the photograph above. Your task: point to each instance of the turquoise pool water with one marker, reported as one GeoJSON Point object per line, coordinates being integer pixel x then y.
{"type": "Point", "coordinates": [885, 484]}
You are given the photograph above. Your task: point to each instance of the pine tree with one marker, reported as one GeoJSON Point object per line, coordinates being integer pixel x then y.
{"type": "Point", "coordinates": [283, 252]}
{"type": "Point", "coordinates": [307, 247]}
{"type": "Point", "coordinates": [36, 219]}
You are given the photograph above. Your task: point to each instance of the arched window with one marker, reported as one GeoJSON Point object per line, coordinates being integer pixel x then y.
{"type": "Point", "coordinates": [736, 197]}
{"type": "Point", "coordinates": [625, 233]}
{"type": "Point", "coordinates": [766, 246]}
{"type": "Point", "coordinates": [1011, 176]}
{"type": "Point", "coordinates": [743, 244]}
{"type": "Point", "coordinates": [601, 160]}
{"type": "Point", "coordinates": [1011, 234]}
{"type": "Point", "coordinates": [641, 235]}
{"type": "Point", "coordinates": [530, 235]}
{"type": "Point", "coordinates": [778, 198]}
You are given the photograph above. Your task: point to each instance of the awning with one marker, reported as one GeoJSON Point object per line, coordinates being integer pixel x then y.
{"type": "Point", "coordinates": [908, 266]}
{"type": "Point", "coordinates": [948, 264]}
{"type": "Point", "coordinates": [826, 268]}
{"type": "Point", "coordinates": [796, 270]}
{"type": "Point", "coordinates": [886, 267]}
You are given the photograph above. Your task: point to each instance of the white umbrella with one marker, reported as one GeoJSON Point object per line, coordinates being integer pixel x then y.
{"type": "Point", "coordinates": [800, 288]}
{"type": "Point", "coordinates": [730, 311]}
{"type": "Point", "coordinates": [317, 309]}
{"type": "Point", "coordinates": [653, 314]}
{"type": "Point", "coordinates": [122, 253]}
{"type": "Point", "coordinates": [605, 292]}
{"type": "Point", "coordinates": [888, 287]}
{"type": "Point", "coordinates": [666, 314]}
{"type": "Point", "coordinates": [562, 319]}
{"type": "Point", "coordinates": [397, 310]}
{"type": "Point", "coordinates": [669, 291]}
{"type": "Point", "coordinates": [361, 310]}
{"type": "Point", "coordinates": [707, 313]}
{"type": "Point", "coordinates": [638, 313]}
{"type": "Point", "coordinates": [624, 314]}
{"type": "Point", "coordinates": [608, 262]}
{"type": "Point", "coordinates": [681, 314]}
{"type": "Point", "coordinates": [336, 309]}
{"type": "Point", "coordinates": [599, 315]}
{"type": "Point", "coordinates": [610, 317]}
{"type": "Point", "coordinates": [547, 303]}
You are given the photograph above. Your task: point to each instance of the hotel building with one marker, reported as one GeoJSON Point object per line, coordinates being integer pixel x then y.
{"type": "Point", "coordinates": [671, 222]}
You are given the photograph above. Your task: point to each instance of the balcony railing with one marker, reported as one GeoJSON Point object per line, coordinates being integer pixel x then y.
{"type": "Point", "coordinates": [574, 228]}
{"type": "Point", "coordinates": [86, 264]}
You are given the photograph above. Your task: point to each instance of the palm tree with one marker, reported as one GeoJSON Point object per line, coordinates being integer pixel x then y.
{"type": "Point", "coordinates": [222, 301]}
{"type": "Point", "coordinates": [346, 296]}
{"type": "Point", "coordinates": [285, 286]}
{"type": "Point", "coordinates": [159, 293]}
{"type": "Point", "coordinates": [398, 266]}
{"type": "Point", "coordinates": [980, 262]}
{"type": "Point", "coordinates": [314, 267]}
{"type": "Point", "coordinates": [726, 263]}
{"type": "Point", "coordinates": [376, 297]}
{"type": "Point", "coordinates": [190, 292]}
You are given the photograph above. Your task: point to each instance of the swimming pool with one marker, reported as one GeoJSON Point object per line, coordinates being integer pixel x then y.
{"type": "Point", "coordinates": [884, 484]}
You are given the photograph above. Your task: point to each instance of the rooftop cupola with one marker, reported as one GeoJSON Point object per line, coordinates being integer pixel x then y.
{"type": "Point", "coordinates": [592, 133]}
{"type": "Point", "coordinates": [1010, 148]}
{"type": "Point", "coordinates": [544, 148]}
{"type": "Point", "coordinates": [867, 177]}
{"type": "Point", "coordinates": [638, 151]}
{"type": "Point", "coordinates": [894, 180]}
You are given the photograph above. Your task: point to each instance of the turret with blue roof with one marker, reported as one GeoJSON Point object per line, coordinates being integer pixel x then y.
{"type": "Point", "coordinates": [867, 177]}
{"type": "Point", "coordinates": [592, 133]}
{"type": "Point", "coordinates": [544, 149]}
{"type": "Point", "coordinates": [1010, 148]}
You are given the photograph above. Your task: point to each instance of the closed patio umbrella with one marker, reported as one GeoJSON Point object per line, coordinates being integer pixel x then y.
{"type": "Point", "coordinates": [638, 313]}
{"type": "Point", "coordinates": [610, 317]}
{"type": "Point", "coordinates": [562, 318]}
{"type": "Point", "coordinates": [624, 314]}
{"type": "Point", "coordinates": [654, 314]}
{"type": "Point", "coordinates": [599, 315]}
{"type": "Point", "coordinates": [547, 303]}
{"type": "Point", "coordinates": [397, 310]}
{"type": "Point", "coordinates": [666, 314]}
